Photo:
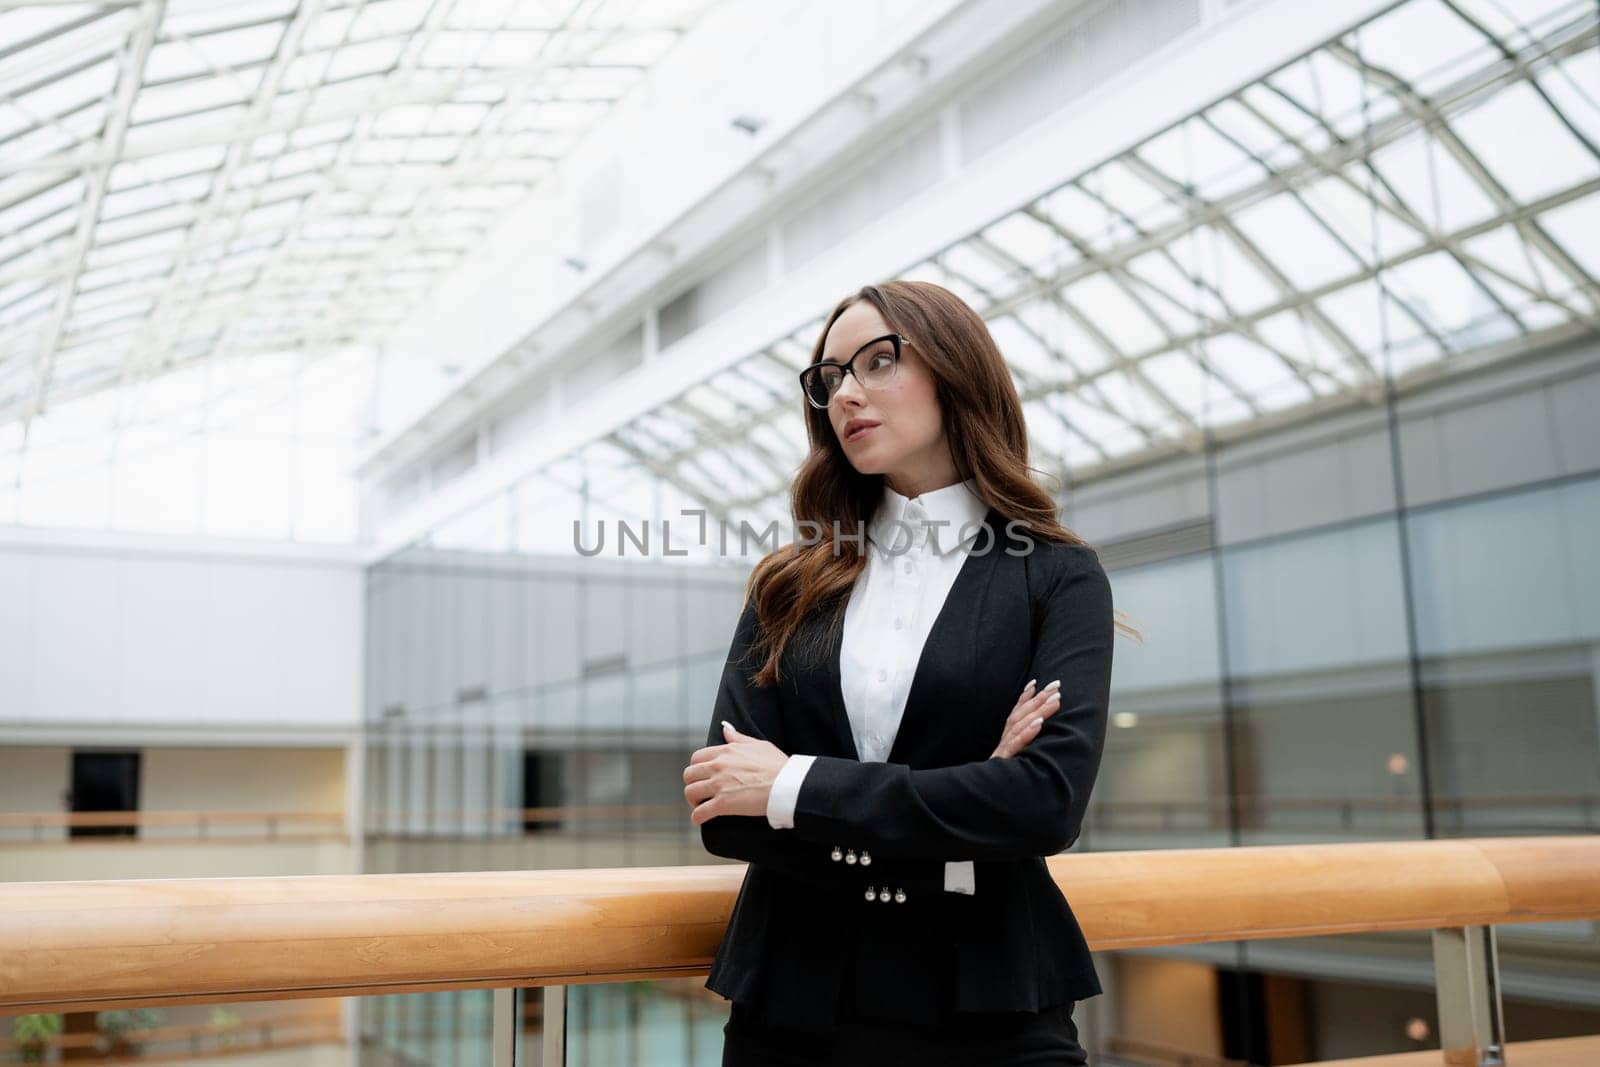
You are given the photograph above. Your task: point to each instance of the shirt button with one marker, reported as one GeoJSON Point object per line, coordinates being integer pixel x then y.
{"type": "Point", "coordinates": [897, 624]}
{"type": "Point", "coordinates": [910, 566]}
{"type": "Point", "coordinates": [882, 675]}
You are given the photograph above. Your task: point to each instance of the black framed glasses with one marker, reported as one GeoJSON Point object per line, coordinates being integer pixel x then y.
{"type": "Point", "coordinates": [880, 359]}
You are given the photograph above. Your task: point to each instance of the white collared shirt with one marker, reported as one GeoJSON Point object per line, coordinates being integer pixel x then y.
{"type": "Point", "coordinates": [912, 561]}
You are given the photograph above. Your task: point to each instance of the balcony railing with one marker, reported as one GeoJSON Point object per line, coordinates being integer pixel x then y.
{"type": "Point", "coordinates": [286, 1030]}
{"type": "Point", "coordinates": [77, 946]}
{"type": "Point", "coordinates": [166, 826]}
{"type": "Point", "coordinates": [1519, 813]}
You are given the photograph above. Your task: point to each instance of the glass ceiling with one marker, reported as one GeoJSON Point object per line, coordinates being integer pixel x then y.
{"type": "Point", "coordinates": [196, 181]}
{"type": "Point", "coordinates": [1424, 188]}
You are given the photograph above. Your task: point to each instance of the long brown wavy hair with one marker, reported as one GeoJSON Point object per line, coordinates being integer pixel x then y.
{"type": "Point", "coordinates": [983, 426]}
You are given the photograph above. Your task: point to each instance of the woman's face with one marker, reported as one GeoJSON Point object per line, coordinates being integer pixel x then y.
{"type": "Point", "coordinates": [907, 445]}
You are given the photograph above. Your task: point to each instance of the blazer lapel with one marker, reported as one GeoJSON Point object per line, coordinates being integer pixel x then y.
{"type": "Point", "coordinates": [953, 641]}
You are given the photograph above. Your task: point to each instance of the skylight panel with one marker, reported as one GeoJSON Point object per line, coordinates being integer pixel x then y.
{"type": "Point", "coordinates": [1524, 145]}
{"type": "Point", "coordinates": [1134, 396]}
{"type": "Point", "coordinates": [227, 49]}
{"type": "Point", "coordinates": [385, 17]}
{"type": "Point", "coordinates": [31, 208]}
{"type": "Point", "coordinates": [329, 132]}
{"type": "Point", "coordinates": [200, 20]}
{"type": "Point", "coordinates": [1512, 20]}
{"type": "Point", "coordinates": [1293, 123]}
{"type": "Point", "coordinates": [56, 50]}
{"type": "Point", "coordinates": [1083, 217]}
{"type": "Point", "coordinates": [1306, 344]}
{"type": "Point", "coordinates": [1066, 336]}
{"type": "Point", "coordinates": [1046, 430]}
{"type": "Point", "coordinates": [780, 445]}
{"type": "Point", "coordinates": [1026, 240]}
{"type": "Point", "coordinates": [1130, 397]}
{"type": "Point", "coordinates": [1422, 42]}
{"type": "Point", "coordinates": [1376, 321]}
{"type": "Point", "coordinates": [1436, 284]}
{"type": "Point", "coordinates": [177, 110]}
{"type": "Point", "coordinates": [1127, 192]}
{"type": "Point", "coordinates": [1545, 316]}
{"type": "Point", "coordinates": [22, 24]}
{"type": "Point", "coordinates": [30, 305]}
{"type": "Point", "coordinates": [1171, 292]}
{"type": "Point", "coordinates": [73, 98]}
{"type": "Point", "coordinates": [740, 389]}
{"type": "Point", "coordinates": [1429, 180]}
{"type": "Point", "coordinates": [1109, 309]}
{"type": "Point", "coordinates": [667, 426]}
{"type": "Point", "coordinates": [200, 126]}
{"type": "Point", "coordinates": [1346, 204]}
{"type": "Point", "coordinates": [1575, 227]}
{"type": "Point", "coordinates": [1213, 164]}
{"type": "Point", "coordinates": [1023, 349]}
{"type": "Point", "coordinates": [365, 58]}
{"type": "Point", "coordinates": [1238, 123]}
{"type": "Point", "coordinates": [793, 352]}
{"type": "Point", "coordinates": [1196, 392]}
{"type": "Point", "coordinates": [1336, 91]}
{"type": "Point", "coordinates": [107, 305]}
{"type": "Point", "coordinates": [1261, 375]}
{"type": "Point", "coordinates": [1571, 87]}
{"type": "Point", "coordinates": [1301, 248]}
{"type": "Point", "coordinates": [124, 274]}
{"type": "Point", "coordinates": [638, 47]}
{"type": "Point", "coordinates": [988, 272]}
{"type": "Point", "coordinates": [1234, 274]}
{"type": "Point", "coordinates": [1109, 433]}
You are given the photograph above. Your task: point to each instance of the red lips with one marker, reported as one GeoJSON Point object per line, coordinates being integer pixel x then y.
{"type": "Point", "coordinates": [858, 424]}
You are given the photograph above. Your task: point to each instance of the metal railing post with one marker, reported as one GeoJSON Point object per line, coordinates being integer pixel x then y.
{"type": "Point", "coordinates": [1466, 967]}
{"type": "Point", "coordinates": [504, 1027]}
{"type": "Point", "coordinates": [554, 1048]}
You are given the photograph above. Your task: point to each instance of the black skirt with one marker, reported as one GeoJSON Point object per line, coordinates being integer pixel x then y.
{"type": "Point", "coordinates": [955, 1039]}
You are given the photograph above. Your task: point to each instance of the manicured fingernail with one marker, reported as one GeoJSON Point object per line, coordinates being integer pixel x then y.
{"type": "Point", "coordinates": [1037, 723]}
{"type": "Point", "coordinates": [1053, 685]}
{"type": "Point", "coordinates": [1052, 700]}
{"type": "Point", "coordinates": [1029, 687]}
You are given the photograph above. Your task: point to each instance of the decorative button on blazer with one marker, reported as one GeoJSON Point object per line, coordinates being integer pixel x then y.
{"type": "Point", "coordinates": [857, 885]}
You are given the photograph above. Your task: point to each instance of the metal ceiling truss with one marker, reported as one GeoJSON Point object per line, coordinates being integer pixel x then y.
{"type": "Point", "coordinates": [275, 177]}
{"type": "Point", "coordinates": [1189, 308]}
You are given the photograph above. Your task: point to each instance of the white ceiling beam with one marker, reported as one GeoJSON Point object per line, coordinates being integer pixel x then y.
{"type": "Point", "coordinates": [129, 76]}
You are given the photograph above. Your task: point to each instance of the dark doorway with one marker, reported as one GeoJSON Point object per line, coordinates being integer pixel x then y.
{"type": "Point", "coordinates": [541, 788]}
{"type": "Point", "coordinates": [105, 781]}
{"type": "Point", "coordinates": [1244, 1019]}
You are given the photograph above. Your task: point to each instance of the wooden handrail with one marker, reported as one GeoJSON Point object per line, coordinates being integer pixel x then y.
{"type": "Point", "coordinates": [81, 945]}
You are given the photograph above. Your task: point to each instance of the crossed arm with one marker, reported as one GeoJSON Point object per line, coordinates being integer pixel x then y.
{"type": "Point", "coordinates": [754, 711]}
{"type": "Point", "coordinates": [913, 821]}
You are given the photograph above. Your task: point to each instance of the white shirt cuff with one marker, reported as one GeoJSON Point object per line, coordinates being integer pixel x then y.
{"type": "Point", "coordinates": [959, 877]}
{"type": "Point", "coordinates": [786, 792]}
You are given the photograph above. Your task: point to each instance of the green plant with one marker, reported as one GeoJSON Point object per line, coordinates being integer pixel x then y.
{"type": "Point", "coordinates": [34, 1033]}
{"type": "Point", "coordinates": [116, 1025]}
{"type": "Point", "coordinates": [228, 1021]}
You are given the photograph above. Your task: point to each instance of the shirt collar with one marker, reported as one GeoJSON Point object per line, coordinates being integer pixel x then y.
{"type": "Point", "coordinates": [959, 505]}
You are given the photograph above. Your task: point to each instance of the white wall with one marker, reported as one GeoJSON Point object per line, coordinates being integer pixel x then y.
{"type": "Point", "coordinates": [141, 636]}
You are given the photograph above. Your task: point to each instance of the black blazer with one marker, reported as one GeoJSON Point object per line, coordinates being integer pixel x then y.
{"type": "Point", "coordinates": [1025, 608]}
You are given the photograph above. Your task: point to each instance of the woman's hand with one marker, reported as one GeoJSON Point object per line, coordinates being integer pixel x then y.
{"type": "Point", "coordinates": [731, 779]}
{"type": "Point", "coordinates": [1023, 724]}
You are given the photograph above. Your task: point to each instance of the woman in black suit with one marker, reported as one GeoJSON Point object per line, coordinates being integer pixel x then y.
{"type": "Point", "coordinates": [911, 717]}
